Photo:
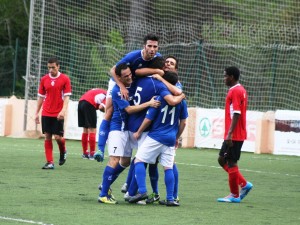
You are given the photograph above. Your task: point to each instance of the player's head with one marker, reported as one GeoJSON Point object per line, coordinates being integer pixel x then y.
{"type": "Point", "coordinates": [171, 63]}
{"type": "Point", "coordinates": [157, 62]}
{"type": "Point", "coordinates": [171, 77]}
{"type": "Point", "coordinates": [53, 66]}
{"type": "Point", "coordinates": [124, 73]}
{"type": "Point", "coordinates": [150, 46]}
{"type": "Point", "coordinates": [231, 75]}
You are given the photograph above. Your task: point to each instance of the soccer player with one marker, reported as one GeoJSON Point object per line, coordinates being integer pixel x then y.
{"type": "Point", "coordinates": [146, 88]}
{"type": "Point", "coordinates": [53, 94]}
{"type": "Point", "coordinates": [136, 59]}
{"type": "Point", "coordinates": [168, 123]}
{"type": "Point", "coordinates": [89, 102]}
{"type": "Point", "coordinates": [119, 146]}
{"type": "Point", "coordinates": [234, 136]}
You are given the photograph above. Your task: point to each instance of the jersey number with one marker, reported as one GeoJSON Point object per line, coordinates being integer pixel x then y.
{"type": "Point", "coordinates": [137, 100]}
{"type": "Point", "coordinates": [165, 112]}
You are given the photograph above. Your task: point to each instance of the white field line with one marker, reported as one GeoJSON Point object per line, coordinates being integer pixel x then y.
{"type": "Point", "coordinates": [22, 220]}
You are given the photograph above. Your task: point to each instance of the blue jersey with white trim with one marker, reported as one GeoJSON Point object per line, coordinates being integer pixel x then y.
{"type": "Point", "coordinates": [146, 88]}
{"type": "Point", "coordinates": [165, 121]}
{"type": "Point", "coordinates": [119, 120]}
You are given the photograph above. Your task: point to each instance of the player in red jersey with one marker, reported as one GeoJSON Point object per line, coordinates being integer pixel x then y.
{"type": "Point", "coordinates": [53, 94]}
{"type": "Point", "coordinates": [234, 136]}
{"type": "Point", "coordinates": [89, 102]}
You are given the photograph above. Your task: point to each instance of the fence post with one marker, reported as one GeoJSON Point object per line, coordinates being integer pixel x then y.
{"type": "Point", "coordinates": [15, 66]}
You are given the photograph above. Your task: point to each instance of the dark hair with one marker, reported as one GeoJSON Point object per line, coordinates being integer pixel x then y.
{"type": "Point", "coordinates": [157, 62]}
{"type": "Point", "coordinates": [53, 60]}
{"type": "Point", "coordinates": [233, 71]}
{"type": "Point", "coordinates": [151, 37]}
{"type": "Point", "coordinates": [173, 57]}
{"type": "Point", "coordinates": [120, 67]}
{"type": "Point", "coordinates": [171, 77]}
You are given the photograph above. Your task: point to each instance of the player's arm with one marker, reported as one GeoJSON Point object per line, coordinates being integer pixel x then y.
{"type": "Point", "coordinates": [123, 89]}
{"type": "Point", "coordinates": [148, 71]}
{"type": "Point", "coordinates": [146, 123]}
{"type": "Point", "coordinates": [174, 100]}
{"type": "Point", "coordinates": [172, 88]}
{"type": "Point", "coordinates": [137, 108]}
{"type": "Point", "coordinates": [182, 125]}
{"type": "Point", "coordinates": [233, 124]}
{"type": "Point", "coordinates": [62, 113]}
{"type": "Point", "coordinates": [38, 108]}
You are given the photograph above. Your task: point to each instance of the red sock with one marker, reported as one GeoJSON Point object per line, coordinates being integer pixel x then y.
{"type": "Point", "coordinates": [233, 178]}
{"type": "Point", "coordinates": [84, 143]}
{"type": "Point", "coordinates": [92, 143]}
{"type": "Point", "coordinates": [62, 145]}
{"type": "Point", "coordinates": [48, 150]}
{"type": "Point", "coordinates": [242, 180]}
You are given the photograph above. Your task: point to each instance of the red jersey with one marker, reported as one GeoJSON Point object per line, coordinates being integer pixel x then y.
{"type": "Point", "coordinates": [95, 96]}
{"type": "Point", "coordinates": [53, 90]}
{"type": "Point", "coordinates": [236, 102]}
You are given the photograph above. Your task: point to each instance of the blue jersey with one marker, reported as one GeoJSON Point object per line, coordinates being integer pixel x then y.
{"type": "Point", "coordinates": [146, 88]}
{"type": "Point", "coordinates": [119, 120]}
{"type": "Point", "coordinates": [135, 61]}
{"type": "Point", "coordinates": [165, 121]}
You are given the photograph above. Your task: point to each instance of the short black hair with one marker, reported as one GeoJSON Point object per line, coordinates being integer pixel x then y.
{"type": "Point", "coordinates": [171, 77]}
{"type": "Point", "coordinates": [157, 62]}
{"type": "Point", "coordinates": [151, 37]}
{"type": "Point", "coordinates": [120, 67]}
{"type": "Point", "coordinates": [233, 71]}
{"type": "Point", "coordinates": [53, 60]}
{"type": "Point", "coordinates": [173, 57]}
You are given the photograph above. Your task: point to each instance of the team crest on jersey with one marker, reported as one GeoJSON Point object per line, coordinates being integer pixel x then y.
{"type": "Point", "coordinates": [52, 83]}
{"type": "Point", "coordinates": [140, 65]}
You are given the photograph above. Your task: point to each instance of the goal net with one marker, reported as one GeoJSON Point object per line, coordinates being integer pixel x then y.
{"type": "Point", "coordinates": [89, 36]}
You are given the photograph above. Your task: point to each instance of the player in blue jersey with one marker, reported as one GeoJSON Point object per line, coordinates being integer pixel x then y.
{"type": "Point", "coordinates": [168, 123]}
{"type": "Point", "coordinates": [146, 88]}
{"type": "Point", "coordinates": [136, 59]}
{"type": "Point", "coordinates": [119, 147]}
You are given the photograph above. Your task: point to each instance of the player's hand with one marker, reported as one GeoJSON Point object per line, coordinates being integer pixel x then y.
{"type": "Point", "coordinates": [154, 103]}
{"type": "Point", "coordinates": [37, 119]}
{"type": "Point", "coordinates": [157, 77]}
{"type": "Point", "coordinates": [136, 135]}
{"type": "Point", "coordinates": [176, 144]}
{"type": "Point", "coordinates": [124, 93]}
{"type": "Point", "coordinates": [99, 156]}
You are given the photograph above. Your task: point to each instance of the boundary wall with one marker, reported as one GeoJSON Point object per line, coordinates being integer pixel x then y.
{"type": "Point", "coordinates": [268, 132]}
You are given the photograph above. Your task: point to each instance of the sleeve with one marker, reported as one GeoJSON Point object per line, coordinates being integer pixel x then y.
{"type": "Point", "coordinates": [116, 96]}
{"type": "Point", "coordinates": [67, 89]}
{"type": "Point", "coordinates": [237, 99]}
{"type": "Point", "coordinates": [42, 91]}
{"type": "Point", "coordinates": [184, 112]}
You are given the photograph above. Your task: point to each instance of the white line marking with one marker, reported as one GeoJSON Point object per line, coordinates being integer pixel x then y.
{"type": "Point", "coordinates": [23, 221]}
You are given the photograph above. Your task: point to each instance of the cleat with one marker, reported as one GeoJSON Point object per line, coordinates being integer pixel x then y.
{"type": "Point", "coordinates": [172, 203]}
{"type": "Point", "coordinates": [107, 200]}
{"type": "Point", "coordinates": [124, 188]}
{"type": "Point", "coordinates": [162, 202]}
{"type": "Point", "coordinates": [99, 156]}
{"type": "Point", "coordinates": [91, 156]}
{"type": "Point", "coordinates": [62, 158]}
{"type": "Point", "coordinates": [176, 199]}
{"type": "Point", "coordinates": [127, 196]}
{"type": "Point", "coordinates": [142, 202]}
{"type": "Point", "coordinates": [48, 166]}
{"type": "Point", "coordinates": [230, 199]}
{"type": "Point", "coordinates": [138, 197]}
{"type": "Point", "coordinates": [245, 190]}
{"type": "Point", "coordinates": [110, 195]}
{"type": "Point", "coordinates": [85, 156]}
{"type": "Point", "coordinates": [153, 198]}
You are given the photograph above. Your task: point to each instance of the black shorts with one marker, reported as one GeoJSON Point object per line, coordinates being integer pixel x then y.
{"type": "Point", "coordinates": [87, 115]}
{"type": "Point", "coordinates": [52, 125]}
{"type": "Point", "coordinates": [233, 153]}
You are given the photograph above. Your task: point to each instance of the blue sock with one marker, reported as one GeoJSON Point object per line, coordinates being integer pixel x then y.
{"type": "Point", "coordinates": [153, 174]}
{"type": "Point", "coordinates": [119, 169]}
{"type": "Point", "coordinates": [140, 175]}
{"type": "Point", "coordinates": [133, 187]}
{"type": "Point", "coordinates": [175, 171]}
{"type": "Point", "coordinates": [130, 173]}
{"type": "Point", "coordinates": [169, 182]}
{"type": "Point", "coordinates": [103, 134]}
{"type": "Point", "coordinates": [106, 180]}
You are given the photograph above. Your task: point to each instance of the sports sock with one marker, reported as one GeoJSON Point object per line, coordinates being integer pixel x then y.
{"type": "Point", "coordinates": [153, 174]}
{"type": "Point", "coordinates": [233, 178]}
{"type": "Point", "coordinates": [176, 175]}
{"type": "Point", "coordinates": [103, 134]}
{"type": "Point", "coordinates": [48, 150]}
{"type": "Point", "coordinates": [140, 175]}
{"type": "Point", "coordinates": [62, 145]}
{"type": "Point", "coordinates": [106, 180]}
{"type": "Point", "coordinates": [169, 182]}
{"type": "Point", "coordinates": [133, 187]}
{"type": "Point", "coordinates": [84, 143]}
{"type": "Point", "coordinates": [130, 173]}
{"type": "Point", "coordinates": [119, 169]}
{"type": "Point", "coordinates": [92, 143]}
{"type": "Point", "coordinates": [242, 180]}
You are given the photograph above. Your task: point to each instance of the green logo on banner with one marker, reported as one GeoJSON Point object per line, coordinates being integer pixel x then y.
{"type": "Point", "coordinates": [204, 127]}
